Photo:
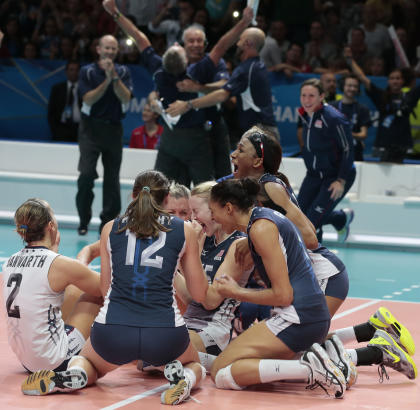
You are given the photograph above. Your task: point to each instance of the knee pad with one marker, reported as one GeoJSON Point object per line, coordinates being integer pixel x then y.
{"type": "Point", "coordinates": [224, 379]}
{"type": "Point", "coordinates": [76, 357]}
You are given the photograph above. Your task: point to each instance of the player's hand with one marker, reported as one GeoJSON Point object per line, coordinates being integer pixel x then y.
{"type": "Point", "coordinates": [110, 6]}
{"type": "Point", "coordinates": [226, 286]}
{"type": "Point", "coordinates": [248, 15]}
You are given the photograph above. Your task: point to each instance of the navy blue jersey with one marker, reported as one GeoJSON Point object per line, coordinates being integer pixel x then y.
{"type": "Point", "coordinates": [206, 72]}
{"type": "Point", "coordinates": [250, 83]}
{"type": "Point", "coordinates": [308, 300]}
{"type": "Point", "coordinates": [142, 272]}
{"type": "Point", "coordinates": [212, 256]}
{"type": "Point", "coordinates": [108, 107]}
{"type": "Point", "coordinates": [328, 143]}
{"type": "Point", "coordinates": [268, 202]}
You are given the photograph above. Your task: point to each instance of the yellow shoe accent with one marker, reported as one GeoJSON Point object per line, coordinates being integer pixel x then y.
{"type": "Point", "coordinates": [393, 355]}
{"type": "Point", "coordinates": [176, 393]}
{"type": "Point", "coordinates": [39, 383]}
{"type": "Point", "coordinates": [384, 320]}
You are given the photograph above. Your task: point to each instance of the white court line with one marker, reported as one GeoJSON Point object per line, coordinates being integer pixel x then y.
{"type": "Point", "coordinates": [350, 311]}
{"type": "Point", "coordinates": [136, 397]}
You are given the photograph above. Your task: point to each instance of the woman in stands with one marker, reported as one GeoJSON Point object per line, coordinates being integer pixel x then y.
{"type": "Point", "coordinates": [141, 252]}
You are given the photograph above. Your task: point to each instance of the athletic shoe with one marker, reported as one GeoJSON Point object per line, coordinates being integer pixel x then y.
{"type": "Point", "coordinates": [343, 233]}
{"type": "Point", "coordinates": [180, 387]}
{"type": "Point", "coordinates": [341, 358]}
{"type": "Point", "coordinates": [392, 354]}
{"type": "Point", "coordinates": [384, 320]}
{"type": "Point", "coordinates": [324, 373]}
{"type": "Point", "coordinates": [47, 381]}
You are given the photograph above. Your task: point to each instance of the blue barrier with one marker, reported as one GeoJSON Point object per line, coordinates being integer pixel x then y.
{"type": "Point", "coordinates": [25, 87]}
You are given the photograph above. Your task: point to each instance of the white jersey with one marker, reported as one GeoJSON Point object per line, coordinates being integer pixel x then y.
{"type": "Point", "coordinates": [35, 327]}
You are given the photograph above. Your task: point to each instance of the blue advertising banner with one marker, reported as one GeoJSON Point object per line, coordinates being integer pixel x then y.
{"type": "Point", "coordinates": [25, 87]}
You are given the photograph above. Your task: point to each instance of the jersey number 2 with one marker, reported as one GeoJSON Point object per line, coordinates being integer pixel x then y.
{"type": "Point", "coordinates": [13, 311]}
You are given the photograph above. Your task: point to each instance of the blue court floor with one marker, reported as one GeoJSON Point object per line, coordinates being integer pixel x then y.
{"type": "Point", "coordinates": [374, 274]}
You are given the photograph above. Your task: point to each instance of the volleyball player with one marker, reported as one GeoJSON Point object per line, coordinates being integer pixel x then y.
{"type": "Point", "coordinates": [34, 284]}
{"type": "Point", "coordinates": [264, 352]}
{"type": "Point", "coordinates": [141, 252]}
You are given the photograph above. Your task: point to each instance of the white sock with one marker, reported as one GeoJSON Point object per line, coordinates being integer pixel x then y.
{"type": "Point", "coordinates": [190, 376]}
{"type": "Point", "coordinates": [353, 355]}
{"type": "Point", "coordinates": [206, 360]}
{"type": "Point", "coordinates": [346, 334]}
{"type": "Point", "coordinates": [272, 370]}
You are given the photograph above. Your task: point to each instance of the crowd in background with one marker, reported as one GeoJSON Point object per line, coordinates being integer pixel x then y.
{"type": "Point", "coordinates": [303, 36]}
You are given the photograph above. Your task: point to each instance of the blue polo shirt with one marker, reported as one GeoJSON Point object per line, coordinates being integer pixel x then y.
{"type": "Point", "coordinates": [108, 107]}
{"type": "Point", "coordinates": [207, 72]}
{"type": "Point", "coordinates": [252, 74]}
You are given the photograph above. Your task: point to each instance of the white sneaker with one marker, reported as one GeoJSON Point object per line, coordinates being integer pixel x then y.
{"type": "Point", "coordinates": [343, 233]}
{"type": "Point", "coordinates": [324, 373]}
{"type": "Point", "coordinates": [180, 388]}
{"type": "Point", "coordinates": [341, 358]}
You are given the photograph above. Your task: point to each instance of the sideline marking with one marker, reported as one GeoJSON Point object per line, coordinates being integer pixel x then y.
{"type": "Point", "coordinates": [355, 309]}
{"type": "Point", "coordinates": [136, 397]}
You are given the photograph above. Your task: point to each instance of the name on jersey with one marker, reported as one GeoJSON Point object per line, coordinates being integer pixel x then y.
{"type": "Point", "coordinates": [31, 261]}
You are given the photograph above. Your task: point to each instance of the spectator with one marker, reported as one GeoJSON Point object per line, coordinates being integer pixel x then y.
{"type": "Point", "coordinates": [106, 90]}
{"type": "Point", "coordinates": [294, 62]}
{"type": "Point", "coordinates": [276, 44]}
{"type": "Point", "coordinates": [64, 106]}
{"type": "Point", "coordinates": [393, 136]}
{"type": "Point", "coordinates": [30, 51]}
{"type": "Point", "coordinates": [376, 34]}
{"type": "Point", "coordinates": [175, 24]}
{"type": "Point", "coordinates": [147, 135]}
{"type": "Point", "coordinates": [358, 114]}
{"type": "Point", "coordinates": [358, 46]}
{"type": "Point", "coordinates": [329, 85]}
{"type": "Point", "coordinates": [12, 41]}
{"type": "Point", "coordinates": [318, 50]}
{"type": "Point", "coordinates": [392, 57]}
{"type": "Point", "coordinates": [375, 66]}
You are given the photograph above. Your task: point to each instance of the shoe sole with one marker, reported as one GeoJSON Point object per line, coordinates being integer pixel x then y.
{"type": "Point", "coordinates": [346, 226]}
{"type": "Point", "coordinates": [349, 367]}
{"type": "Point", "coordinates": [405, 340]}
{"type": "Point", "coordinates": [45, 382]}
{"type": "Point", "coordinates": [377, 341]}
{"type": "Point", "coordinates": [330, 368]}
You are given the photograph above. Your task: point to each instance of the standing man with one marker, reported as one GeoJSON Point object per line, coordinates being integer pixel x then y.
{"type": "Point", "coordinates": [249, 82]}
{"type": "Point", "coordinates": [106, 90]}
{"type": "Point", "coordinates": [185, 151]}
{"type": "Point", "coordinates": [64, 106]}
{"type": "Point", "coordinates": [357, 114]}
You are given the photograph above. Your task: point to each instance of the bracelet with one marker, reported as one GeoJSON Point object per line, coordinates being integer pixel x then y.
{"type": "Point", "coordinates": [115, 78]}
{"type": "Point", "coordinates": [116, 15]}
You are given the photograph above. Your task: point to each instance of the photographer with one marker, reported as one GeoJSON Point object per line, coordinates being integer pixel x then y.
{"type": "Point", "coordinates": [393, 136]}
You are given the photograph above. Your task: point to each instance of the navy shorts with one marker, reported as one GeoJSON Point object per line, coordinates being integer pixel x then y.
{"type": "Point", "coordinates": [298, 337]}
{"type": "Point", "coordinates": [120, 344]}
{"type": "Point", "coordinates": [338, 285]}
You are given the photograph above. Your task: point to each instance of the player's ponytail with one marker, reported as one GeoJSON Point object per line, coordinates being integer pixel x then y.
{"type": "Point", "coordinates": [142, 214]}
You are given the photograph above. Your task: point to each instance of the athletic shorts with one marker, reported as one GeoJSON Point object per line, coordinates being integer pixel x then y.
{"type": "Point", "coordinates": [208, 341]}
{"type": "Point", "coordinates": [336, 286]}
{"type": "Point", "coordinates": [120, 344]}
{"type": "Point", "coordinates": [298, 337]}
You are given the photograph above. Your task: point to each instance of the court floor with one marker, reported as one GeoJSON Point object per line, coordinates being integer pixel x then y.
{"type": "Point", "coordinates": [377, 278]}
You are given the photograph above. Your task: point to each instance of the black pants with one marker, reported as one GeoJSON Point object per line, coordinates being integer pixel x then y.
{"type": "Point", "coordinates": [99, 138]}
{"type": "Point", "coordinates": [185, 155]}
{"type": "Point", "coordinates": [219, 139]}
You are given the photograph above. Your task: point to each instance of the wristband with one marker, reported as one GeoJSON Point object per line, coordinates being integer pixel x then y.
{"type": "Point", "coordinates": [116, 15]}
{"type": "Point", "coordinates": [115, 78]}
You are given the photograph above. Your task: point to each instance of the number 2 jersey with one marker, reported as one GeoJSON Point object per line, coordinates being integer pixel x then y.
{"type": "Point", "coordinates": [142, 274]}
{"type": "Point", "coordinates": [35, 327]}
